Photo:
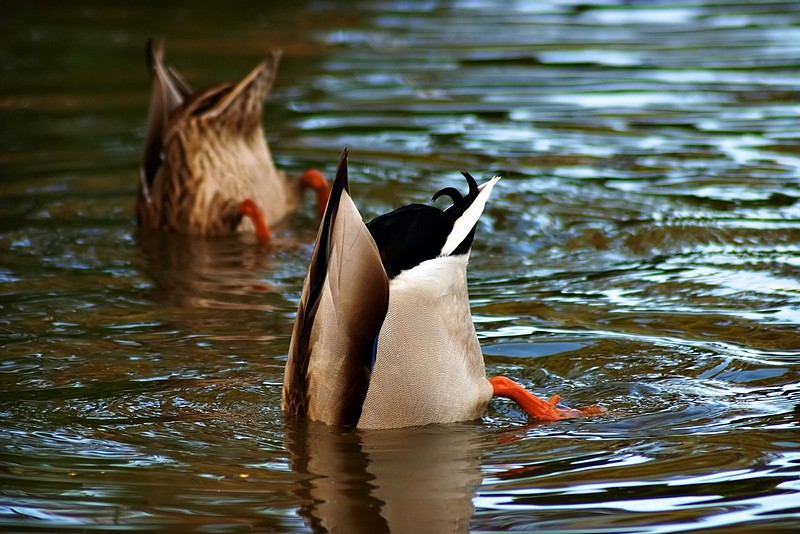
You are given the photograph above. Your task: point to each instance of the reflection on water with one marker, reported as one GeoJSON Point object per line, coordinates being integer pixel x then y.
{"type": "Point", "coordinates": [414, 480]}
{"type": "Point", "coordinates": [187, 271]}
{"type": "Point", "coordinates": [641, 252]}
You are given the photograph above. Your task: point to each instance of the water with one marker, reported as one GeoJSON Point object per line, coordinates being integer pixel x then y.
{"type": "Point", "coordinates": [642, 252]}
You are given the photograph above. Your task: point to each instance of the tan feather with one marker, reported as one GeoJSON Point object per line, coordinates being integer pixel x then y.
{"type": "Point", "coordinates": [341, 309]}
{"type": "Point", "coordinates": [206, 152]}
{"type": "Point", "coordinates": [165, 97]}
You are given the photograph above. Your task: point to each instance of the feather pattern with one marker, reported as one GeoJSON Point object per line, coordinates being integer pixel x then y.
{"type": "Point", "coordinates": [341, 310]}
{"type": "Point", "coordinates": [414, 233]}
{"type": "Point", "coordinates": [393, 281]}
{"type": "Point", "coordinates": [206, 152]}
{"type": "Point", "coordinates": [429, 366]}
{"type": "Point", "coordinates": [169, 92]}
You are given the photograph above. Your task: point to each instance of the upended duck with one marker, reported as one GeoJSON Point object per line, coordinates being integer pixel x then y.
{"type": "Point", "coordinates": [207, 169]}
{"type": "Point", "coordinates": [384, 336]}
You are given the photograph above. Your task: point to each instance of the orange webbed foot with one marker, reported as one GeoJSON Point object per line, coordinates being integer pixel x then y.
{"type": "Point", "coordinates": [313, 179]}
{"type": "Point", "coordinates": [535, 407]}
{"type": "Point", "coordinates": [249, 208]}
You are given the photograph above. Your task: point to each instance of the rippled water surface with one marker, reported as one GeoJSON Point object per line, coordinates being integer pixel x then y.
{"type": "Point", "coordinates": [642, 251]}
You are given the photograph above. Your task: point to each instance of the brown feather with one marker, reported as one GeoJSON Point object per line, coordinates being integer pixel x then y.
{"type": "Point", "coordinates": [206, 152]}
{"type": "Point", "coordinates": [166, 96]}
{"type": "Point", "coordinates": [344, 301]}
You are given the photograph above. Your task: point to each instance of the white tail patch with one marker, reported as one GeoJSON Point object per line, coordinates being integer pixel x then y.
{"type": "Point", "coordinates": [469, 219]}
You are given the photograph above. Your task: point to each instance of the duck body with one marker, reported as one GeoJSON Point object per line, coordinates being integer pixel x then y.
{"type": "Point", "coordinates": [384, 336]}
{"type": "Point", "coordinates": [206, 153]}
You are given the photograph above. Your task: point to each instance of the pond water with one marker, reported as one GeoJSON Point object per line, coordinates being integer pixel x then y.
{"type": "Point", "coordinates": [642, 251]}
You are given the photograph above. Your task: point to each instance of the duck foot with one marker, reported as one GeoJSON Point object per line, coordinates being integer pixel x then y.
{"type": "Point", "coordinates": [249, 208]}
{"type": "Point", "coordinates": [313, 179]}
{"type": "Point", "coordinates": [543, 410]}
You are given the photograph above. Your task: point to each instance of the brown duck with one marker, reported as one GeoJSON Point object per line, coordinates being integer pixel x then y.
{"type": "Point", "coordinates": [207, 169]}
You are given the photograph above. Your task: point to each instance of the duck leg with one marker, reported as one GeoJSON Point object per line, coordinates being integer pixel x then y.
{"type": "Point", "coordinates": [249, 208]}
{"type": "Point", "coordinates": [313, 179]}
{"type": "Point", "coordinates": [534, 406]}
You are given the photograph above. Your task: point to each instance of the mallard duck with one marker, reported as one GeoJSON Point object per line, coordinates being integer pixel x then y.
{"type": "Point", "coordinates": [384, 335]}
{"type": "Point", "coordinates": [206, 168]}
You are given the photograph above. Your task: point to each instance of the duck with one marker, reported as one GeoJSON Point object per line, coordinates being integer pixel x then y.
{"type": "Point", "coordinates": [384, 336]}
{"type": "Point", "coordinates": [206, 168]}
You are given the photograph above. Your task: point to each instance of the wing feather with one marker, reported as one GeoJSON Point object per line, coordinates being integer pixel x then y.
{"type": "Point", "coordinates": [248, 95]}
{"type": "Point", "coordinates": [342, 307]}
{"type": "Point", "coordinates": [169, 92]}
{"type": "Point", "coordinates": [465, 224]}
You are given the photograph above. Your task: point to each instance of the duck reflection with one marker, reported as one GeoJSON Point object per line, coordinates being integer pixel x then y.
{"type": "Point", "coordinates": [202, 272]}
{"type": "Point", "coordinates": [419, 479]}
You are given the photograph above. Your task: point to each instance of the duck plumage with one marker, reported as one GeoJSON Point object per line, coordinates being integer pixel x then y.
{"type": "Point", "coordinates": [384, 336]}
{"type": "Point", "coordinates": [207, 168]}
